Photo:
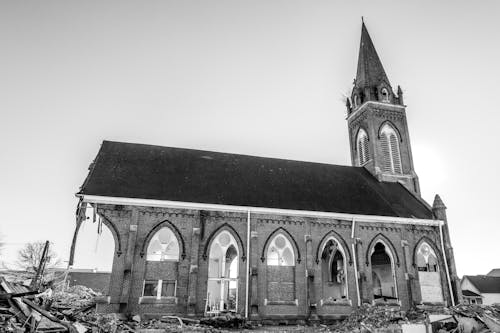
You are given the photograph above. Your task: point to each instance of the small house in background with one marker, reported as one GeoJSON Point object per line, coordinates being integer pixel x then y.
{"type": "Point", "coordinates": [482, 289]}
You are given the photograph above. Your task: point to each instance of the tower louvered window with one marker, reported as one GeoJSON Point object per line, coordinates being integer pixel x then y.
{"type": "Point", "coordinates": [362, 147]}
{"type": "Point", "coordinates": [390, 150]}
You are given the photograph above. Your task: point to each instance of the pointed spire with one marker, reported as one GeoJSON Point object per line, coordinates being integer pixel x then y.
{"type": "Point", "coordinates": [370, 70]}
{"type": "Point", "coordinates": [400, 96]}
{"type": "Point", "coordinates": [438, 203]}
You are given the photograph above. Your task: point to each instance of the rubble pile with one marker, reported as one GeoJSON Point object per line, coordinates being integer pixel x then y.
{"type": "Point", "coordinates": [368, 317]}
{"type": "Point", "coordinates": [74, 298]}
{"type": "Point", "coordinates": [73, 310]}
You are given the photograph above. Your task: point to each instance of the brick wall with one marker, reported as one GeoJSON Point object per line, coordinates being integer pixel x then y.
{"type": "Point", "coordinates": [133, 227]}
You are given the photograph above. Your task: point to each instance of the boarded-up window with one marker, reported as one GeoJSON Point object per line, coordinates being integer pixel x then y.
{"type": "Point", "coordinates": [280, 283]}
{"type": "Point", "coordinates": [428, 274]}
{"type": "Point", "coordinates": [280, 269]}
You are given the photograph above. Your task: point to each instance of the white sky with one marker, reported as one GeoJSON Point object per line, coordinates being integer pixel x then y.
{"type": "Point", "coordinates": [255, 77]}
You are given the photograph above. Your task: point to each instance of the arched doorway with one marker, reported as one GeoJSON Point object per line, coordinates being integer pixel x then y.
{"type": "Point", "coordinates": [429, 276]}
{"type": "Point", "coordinates": [333, 271]}
{"type": "Point", "coordinates": [222, 284]}
{"type": "Point", "coordinates": [384, 286]}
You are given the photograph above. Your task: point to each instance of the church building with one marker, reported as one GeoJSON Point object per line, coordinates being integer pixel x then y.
{"type": "Point", "coordinates": [202, 233]}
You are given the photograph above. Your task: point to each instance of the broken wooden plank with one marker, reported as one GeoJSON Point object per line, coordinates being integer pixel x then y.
{"type": "Point", "coordinates": [11, 295]}
{"type": "Point", "coordinates": [46, 314]}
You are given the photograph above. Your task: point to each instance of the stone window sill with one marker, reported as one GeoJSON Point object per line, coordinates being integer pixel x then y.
{"type": "Point", "coordinates": [388, 302]}
{"type": "Point", "coordinates": [339, 302]}
{"type": "Point", "coordinates": [154, 300]}
{"type": "Point", "coordinates": [294, 302]}
{"type": "Point", "coordinates": [103, 299]}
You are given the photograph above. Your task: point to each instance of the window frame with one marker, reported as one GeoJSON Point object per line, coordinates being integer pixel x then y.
{"type": "Point", "coordinates": [363, 147]}
{"type": "Point", "coordinates": [288, 245]}
{"type": "Point", "coordinates": [384, 97]}
{"type": "Point", "coordinates": [159, 285]}
{"type": "Point", "coordinates": [392, 157]}
{"type": "Point", "coordinates": [174, 239]}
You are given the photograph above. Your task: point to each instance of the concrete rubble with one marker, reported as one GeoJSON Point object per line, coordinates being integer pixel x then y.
{"type": "Point", "coordinates": [52, 309]}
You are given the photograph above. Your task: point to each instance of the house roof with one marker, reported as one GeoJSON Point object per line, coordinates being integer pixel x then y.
{"type": "Point", "coordinates": [494, 272]}
{"type": "Point", "coordinates": [176, 174]}
{"type": "Point", "coordinates": [485, 284]}
{"type": "Point", "coordinates": [470, 293]}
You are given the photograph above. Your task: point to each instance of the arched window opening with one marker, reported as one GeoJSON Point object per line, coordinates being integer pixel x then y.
{"type": "Point", "coordinates": [385, 95]}
{"type": "Point", "coordinates": [333, 268]}
{"type": "Point", "coordinates": [426, 259]}
{"type": "Point", "coordinates": [280, 260]}
{"type": "Point", "coordinates": [383, 274]}
{"type": "Point", "coordinates": [390, 150]}
{"type": "Point", "coordinates": [280, 252]}
{"type": "Point", "coordinates": [162, 260]}
{"type": "Point", "coordinates": [222, 285]}
{"type": "Point", "coordinates": [362, 147]}
{"type": "Point", "coordinates": [163, 246]}
{"type": "Point", "coordinates": [428, 274]}
{"type": "Point", "coordinates": [95, 249]}
{"type": "Point", "coordinates": [356, 101]}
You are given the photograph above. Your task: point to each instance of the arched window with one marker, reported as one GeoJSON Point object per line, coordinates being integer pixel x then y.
{"type": "Point", "coordinates": [428, 274]}
{"type": "Point", "coordinates": [383, 273]}
{"type": "Point", "coordinates": [362, 147]}
{"type": "Point", "coordinates": [390, 149]}
{"type": "Point", "coordinates": [280, 252]}
{"type": "Point", "coordinates": [280, 270]}
{"type": "Point", "coordinates": [356, 100]}
{"type": "Point", "coordinates": [385, 95]}
{"type": "Point", "coordinates": [160, 280]}
{"type": "Point", "coordinates": [334, 269]}
{"type": "Point", "coordinates": [222, 284]}
{"type": "Point", "coordinates": [163, 246]}
{"type": "Point", "coordinates": [426, 259]}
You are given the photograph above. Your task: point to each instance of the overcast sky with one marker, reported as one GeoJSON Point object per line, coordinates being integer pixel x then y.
{"type": "Point", "coordinates": [257, 77]}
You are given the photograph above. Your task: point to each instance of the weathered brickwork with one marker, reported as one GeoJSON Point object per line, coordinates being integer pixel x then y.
{"type": "Point", "coordinates": [300, 296]}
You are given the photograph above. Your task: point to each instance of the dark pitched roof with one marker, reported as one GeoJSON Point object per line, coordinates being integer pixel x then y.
{"type": "Point", "coordinates": [494, 272]}
{"type": "Point", "coordinates": [163, 173]}
{"type": "Point", "coordinates": [470, 293]}
{"type": "Point", "coordinates": [370, 71]}
{"type": "Point", "coordinates": [485, 284]}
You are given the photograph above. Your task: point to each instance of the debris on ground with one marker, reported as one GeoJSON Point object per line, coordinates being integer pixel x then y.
{"type": "Point", "coordinates": [52, 308]}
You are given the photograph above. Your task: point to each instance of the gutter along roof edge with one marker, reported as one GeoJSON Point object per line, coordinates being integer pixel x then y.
{"type": "Point", "coordinates": [262, 210]}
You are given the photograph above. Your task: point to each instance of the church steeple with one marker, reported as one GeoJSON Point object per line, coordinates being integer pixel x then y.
{"type": "Point", "coordinates": [372, 83]}
{"type": "Point", "coordinates": [378, 129]}
{"type": "Point", "coordinates": [370, 72]}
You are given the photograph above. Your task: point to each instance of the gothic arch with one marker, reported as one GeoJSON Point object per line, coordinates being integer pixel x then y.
{"type": "Point", "coordinates": [114, 231]}
{"type": "Point", "coordinates": [427, 240]}
{"type": "Point", "coordinates": [287, 235]}
{"type": "Point", "coordinates": [355, 138]}
{"type": "Point", "coordinates": [386, 241]}
{"type": "Point", "coordinates": [339, 239]}
{"type": "Point", "coordinates": [381, 88]}
{"type": "Point", "coordinates": [233, 232]}
{"type": "Point", "coordinates": [394, 127]}
{"type": "Point", "coordinates": [156, 228]}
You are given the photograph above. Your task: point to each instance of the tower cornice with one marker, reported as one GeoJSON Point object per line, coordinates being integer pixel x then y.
{"type": "Point", "coordinates": [375, 104]}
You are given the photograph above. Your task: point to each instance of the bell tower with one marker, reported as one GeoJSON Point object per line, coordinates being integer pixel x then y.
{"type": "Point", "coordinates": [376, 118]}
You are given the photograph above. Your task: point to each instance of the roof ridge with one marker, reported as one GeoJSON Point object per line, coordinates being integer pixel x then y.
{"type": "Point", "coordinates": [229, 153]}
